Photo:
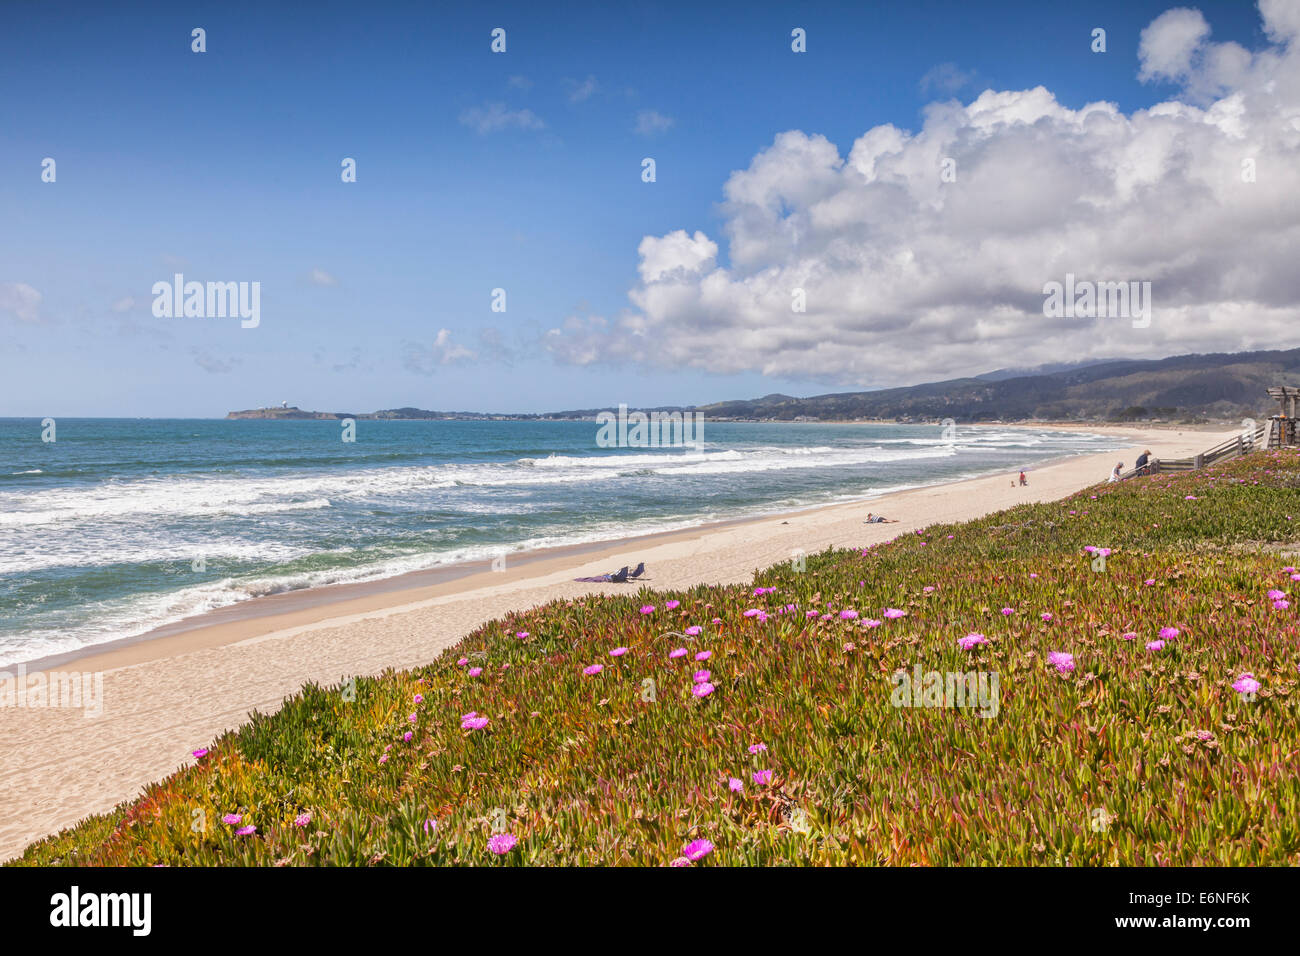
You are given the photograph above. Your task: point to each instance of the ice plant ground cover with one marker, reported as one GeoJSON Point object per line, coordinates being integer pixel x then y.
{"type": "Point", "coordinates": [1130, 755]}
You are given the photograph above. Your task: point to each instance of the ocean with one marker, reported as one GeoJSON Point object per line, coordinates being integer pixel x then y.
{"type": "Point", "coordinates": [121, 525]}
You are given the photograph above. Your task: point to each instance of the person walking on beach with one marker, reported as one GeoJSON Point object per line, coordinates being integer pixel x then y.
{"type": "Point", "coordinates": [1023, 479]}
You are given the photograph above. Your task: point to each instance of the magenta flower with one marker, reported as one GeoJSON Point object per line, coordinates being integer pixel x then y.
{"type": "Point", "coordinates": [246, 831]}
{"type": "Point", "coordinates": [407, 736]}
{"type": "Point", "coordinates": [736, 785]}
{"type": "Point", "coordinates": [672, 605]}
{"type": "Point", "coordinates": [1281, 605]}
{"type": "Point", "coordinates": [928, 588]}
{"type": "Point", "coordinates": [419, 698]}
{"type": "Point", "coordinates": [703, 655]}
{"type": "Point", "coordinates": [1008, 611]}
{"type": "Point", "coordinates": [893, 613]}
{"type": "Point", "coordinates": [430, 825]}
{"type": "Point", "coordinates": [753, 612]}
{"type": "Point", "coordinates": [474, 671]}
{"type": "Point", "coordinates": [1063, 662]}
{"type": "Point", "coordinates": [702, 690]}
{"type": "Point", "coordinates": [472, 713]}
{"type": "Point", "coordinates": [810, 613]}
{"type": "Point", "coordinates": [697, 850]}
{"type": "Point", "coordinates": [383, 758]}
{"type": "Point", "coordinates": [474, 723]}
{"type": "Point", "coordinates": [1129, 635]}
{"type": "Point", "coordinates": [870, 622]}
{"type": "Point", "coordinates": [618, 652]}
{"type": "Point", "coordinates": [302, 819]}
{"type": "Point", "coordinates": [522, 635]}
{"type": "Point", "coordinates": [232, 819]}
{"type": "Point", "coordinates": [1276, 595]}
{"type": "Point", "coordinates": [680, 861]}
{"type": "Point", "coordinates": [757, 748]}
{"type": "Point", "coordinates": [1246, 684]}
{"type": "Point", "coordinates": [716, 620]}
{"type": "Point", "coordinates": [762, 778]}
{"type": "Point", "coordinates": [1168, 633]}
{"type": "Point", "coordinates": [971, 640]}
{"type": "Point", "coordinates": [701, 677]}
{"type": "Point", "coordinates": [647, 609]}
{"type": "Point", "coordinates": [462, 662]}
{"type": "Point", "coordinates": [593, 669]}
{"type": "Point", "coordinates": [411, 718]}
{"type": "Point", "coordinates": [693, 630]}
{"type": "Point", "coordinates": [676, 653]}
{"type": "Point", "coordinates": [850, 646]}
{"type": "Point", "coordinates": [502, 843]}
{"type": "Point", "coordinates": [1155, 645]}
{"type": "Point", "coordinates": [1046, 615]}
{"type": "Point", "coordinates": [848, 615]}
{"type": "Point", "coordinates": [200, 753]}
{"type": "Point", "coordinates": [1149, 581]}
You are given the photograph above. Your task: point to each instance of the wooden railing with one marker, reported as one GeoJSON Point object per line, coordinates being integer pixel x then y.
{"type": "Point", "coordinates": [1234, 447]}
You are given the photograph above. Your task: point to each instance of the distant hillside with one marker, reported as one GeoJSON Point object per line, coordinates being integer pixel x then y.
{"type": "Point", "coordinates": [1181, 388]}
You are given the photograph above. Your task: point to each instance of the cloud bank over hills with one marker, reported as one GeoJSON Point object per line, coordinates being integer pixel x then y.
{"type": "Point", "coordinates": [910, 277]}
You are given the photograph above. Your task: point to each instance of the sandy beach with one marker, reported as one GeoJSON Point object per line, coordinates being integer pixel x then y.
{"type": "Point", "coordinates": [174, 692]}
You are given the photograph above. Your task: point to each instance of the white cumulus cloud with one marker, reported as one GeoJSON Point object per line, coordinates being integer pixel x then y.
{"type": "Point", "coordinates": [907, 276]}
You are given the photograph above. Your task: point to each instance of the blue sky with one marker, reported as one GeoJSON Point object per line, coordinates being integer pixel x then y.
{"type": "Point", "coordinates": [225, 166]}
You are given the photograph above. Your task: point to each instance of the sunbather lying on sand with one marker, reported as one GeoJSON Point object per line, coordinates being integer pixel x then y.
{"type": "Point", "coordinates": [621, 576]}
{"type": "Point", "coordinates": [879, 519]}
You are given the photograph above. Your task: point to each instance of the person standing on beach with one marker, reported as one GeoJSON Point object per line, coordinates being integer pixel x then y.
{"type": "Point", "coordinates": [1023, 479]}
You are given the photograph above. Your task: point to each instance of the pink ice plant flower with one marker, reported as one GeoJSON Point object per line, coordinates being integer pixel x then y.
{"type": "Point", "coordinates": [1246, 684]}
{"type": "Point", "coordinates": [246, 831]}
{"type": "Point", "coordinates": [522, 635]}
{"type": "Point", "coordinates": [462, 662]}
{"type": "Point", "coordinates": [232, 819]}
{"type": "Point", "coordinates": [1129, 635]}
{"type": "Point", "coordinates": [848, 615]}
{"type": "Point", "coordinates": [474, 671]}
{"type": "Point", "coordinates": [701, 677]}
{"type": "Point", "coordinates": [703, 655]}
{"type": "Point", "coordinates": [419, 698]}
{"type": "Point", "coordinates": [1276, 595]}
{"type": "Point", "coordinates": [697, 850]}
{"type": "Point", "coordinates": [618, 652]}
{"type": "Point", "coordinates": [676, 652]}
{"type": "Point", "coordinates": [1046, 615]}
{"type": "Point", "coordinates": [502, 843]}
{"type": "Point", "coordinates": [971, 640]}
{"type": "Point", "coordinates": [672, 605]}
{"type": "Point", "coordinates": [1155, 645]}
{"type": "Point", "coordinates": [762, 778]}
{"type": "Point", "coordinates": [1281, 605]}
{"type": "Point", "coordinates": [703, 689]}
{"type": "Point", "coordinates": [894, 613]}
{"type": "Point", "coordinates": [1008, 611]}
{"type": "Point", "coordinates": [693, 630]}
{"type": "Point", "coordinates": [200, 753]}
{"type": "Point", "coordinates": [407, 736]}
{"type": "Point", "coordinates": [1063, 662]}
{"type": "Point", "coordinates": [757, 748]}
{"type": "Point", "coordinates": [736, 785]}
{"type": "Point", "coordinates": [647, 609]}
{"type": "Point", "coordinates": [474, 723]}
{"type": "Point", "coordinates": [871, 622]}
{"type": "Point", "coordinates": [593, 669]}
{"type": "Point", "coordinates": [1168, 633]}
{"type": "Point", "coordinates": [302, 819]}
{"type": "Point", "coordinates": [811, 613]}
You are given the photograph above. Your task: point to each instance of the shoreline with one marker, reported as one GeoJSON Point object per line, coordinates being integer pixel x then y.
{"type": "Point", "coordinates": [310, 605]}
{"type": "Point", "coordinates": [168, 695]}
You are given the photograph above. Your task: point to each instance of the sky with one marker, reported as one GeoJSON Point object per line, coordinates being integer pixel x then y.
{"type": "Point", "coordinates": [821, 171]}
